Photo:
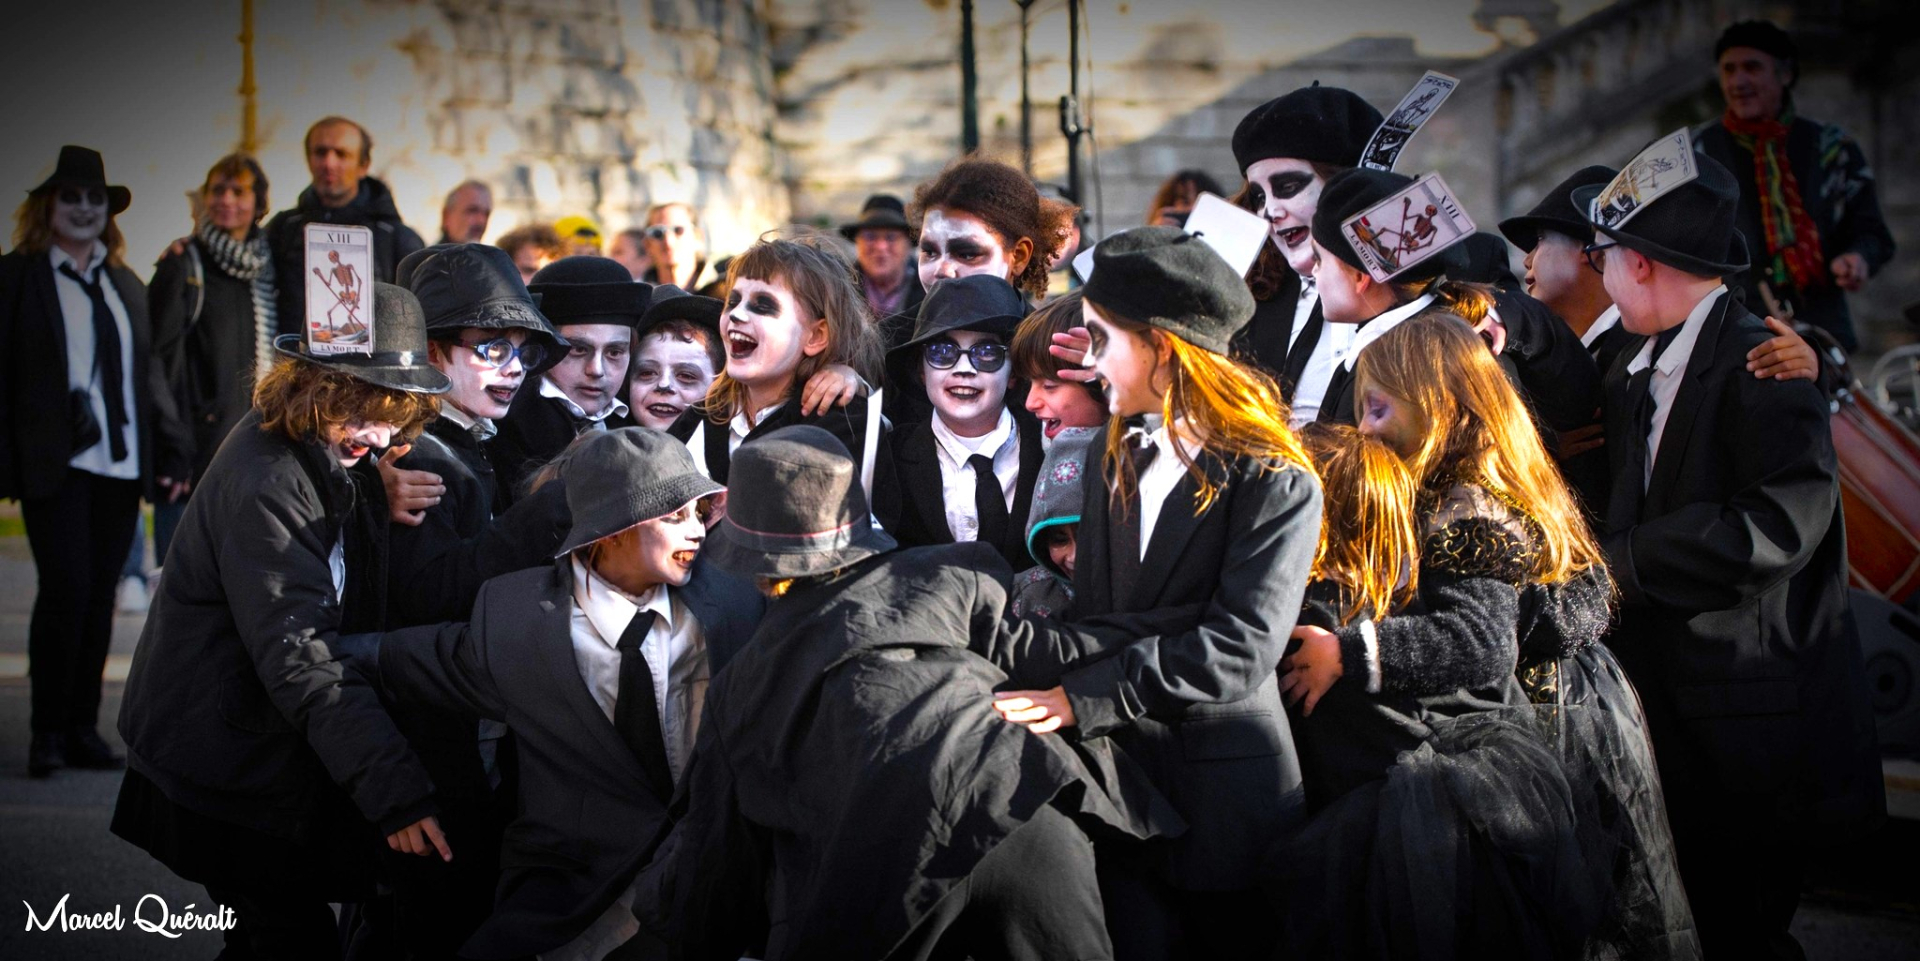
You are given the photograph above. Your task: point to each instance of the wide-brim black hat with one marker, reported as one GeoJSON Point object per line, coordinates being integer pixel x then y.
{"type": "Point", "coordinates": [589, 289]}
{"type": "Point", "coordinates": [882, 211]}
{"type": "Point", "coordinates": [1556, 211]}
{"type": "Point", "coordinates": [795, 509]}
{"type": "Point", "coordinates": [399, 357]}
{"type": "Point", "coordinates": [672, 303]}
{"type": "Point", "coordinates": [1318, 124]}
{"type": "Point", "coordinates": [1167, 278]}
{"type": "Point", "coordinates": [628, 476]}
{"type": "Point", "coordinates": [477, 285]}
{"type": "Point", "coordinates": [979, 302]}
{"type": "Point", "coordinates": [84, 167]}
{"type": "Point", "coordinates": [1690, 228]}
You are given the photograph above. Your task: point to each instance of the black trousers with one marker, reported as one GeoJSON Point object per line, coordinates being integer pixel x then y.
{"type": "Point", "coordinates": [79, 537]}
{"type": "Point", "coordinates": [1151, 920]}
{"type": "Point", "coordinates": [1034, 897]}
{"type": "Point", "coordinates": [1744, 885]}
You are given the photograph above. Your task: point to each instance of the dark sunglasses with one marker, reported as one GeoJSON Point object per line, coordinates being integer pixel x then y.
{"type": "Point", "coordinates": [92, 195]}
{"type": "Point", "coordinates": [1598, 263]}
{"type": "Point", "coordinates": [986, 358]}
{"type": "Point", "coordinates": [659, 231]}
{"type": "Point", "coordinates": [499, 352]}
{"type": "Point", "coordinates": [704, 508]}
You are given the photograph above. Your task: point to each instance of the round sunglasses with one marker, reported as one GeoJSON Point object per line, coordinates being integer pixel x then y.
{"type": "Point", "coordinates": [986, 358]}
{"type": "Point", "coordinates": [500, 351]}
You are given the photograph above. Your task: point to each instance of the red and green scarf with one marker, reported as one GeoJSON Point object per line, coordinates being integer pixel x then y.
{"type": "Point", "coordinates": [1793, 242]}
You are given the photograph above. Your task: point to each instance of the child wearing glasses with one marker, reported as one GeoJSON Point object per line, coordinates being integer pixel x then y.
{"type": "Point", "coordinates": [967, 469]}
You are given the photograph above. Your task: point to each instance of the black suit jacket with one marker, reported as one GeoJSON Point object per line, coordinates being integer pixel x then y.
{"type": "Point", "coordinates": [923, 505]}
{"type": "Point", "coordinates": [848, 424]}
{"type": "Point", "coordinates": [589, 818]}
{"type": "Point", "coordinates": [35, 440]}
{"type": "Point", "coordinates": [1734, 621]}
{"type": "Point", "coordinates": [535, 430]}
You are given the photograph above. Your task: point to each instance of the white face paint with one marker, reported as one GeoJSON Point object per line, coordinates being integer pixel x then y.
{"type": "Point", "coordinates": [958, 244]}
{"type": "Point", "coordinates": [79, 214]}
{"type": "Point", "coordinates": [1288, 192]}
{"type": "Point", "coordinates": [358, 438]}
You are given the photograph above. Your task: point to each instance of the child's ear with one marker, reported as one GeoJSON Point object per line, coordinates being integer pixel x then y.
{"type": "Point", "coordinates": [819, 336]}
{"type": "Point", "coordinates": [1017, 257]}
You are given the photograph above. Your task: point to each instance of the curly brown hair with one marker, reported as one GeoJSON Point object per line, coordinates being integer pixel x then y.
{"type": "Point", "coordinates": [1011, 207]}
{"type": "Point", "coordinates": [303, 401]}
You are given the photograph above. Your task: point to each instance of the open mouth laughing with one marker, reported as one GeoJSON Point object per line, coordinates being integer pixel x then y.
{"type": "Point", "coordinates": [740, 345]}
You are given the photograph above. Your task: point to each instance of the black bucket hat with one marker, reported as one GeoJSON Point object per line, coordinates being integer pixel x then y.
{"type": "Point", "coordinates": [399, 357]}
{"type": "Point", "coordinates": [1690, 228]}
{"type": "Point", "coordinates": [1170, 279]}
{"type": "Point", "coordinates": [477, 285]}
{"type": "Point", "coordinates": [1319, 124]}
{"type": "Point", "coordinates": [883, 211]}
{"type": "Point", "coordinates": [623, 477]}
{"type": "Point", "coordinates": [588, 289]}
{"type": "Point", "coordinates": [672, 303]}
{"type": "Point", "coordinates": [83, 167]}
{"type": "Point", "coordinates": [1556, 211]}
{"type": "Point", "coordinates": [980, 302]}
{"type": "Point", "coordinates": [1351, 191]}
{"type": "Point", "coordinates": [795, 509]}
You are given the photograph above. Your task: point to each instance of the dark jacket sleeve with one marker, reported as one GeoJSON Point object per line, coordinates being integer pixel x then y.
{"type": "Point", "coordinates": [275, 576]}
{"type": "Point", "coordinates": [167, 307]}
{"type": "Point", "coordinates": [1863, 229]}
{"type": "Point", "coordinates": [722, 861]}
{"type": "Point", "coordinates": [1714, 556]}
{"type": "Point", "coordinates": [437, 573]}
{"type": "Point", "coordinates": [440, 666]}
{"type": "Point", "coordinates": [1465, 638]}
{"type": "Point", "coordinates": [1275, 520]}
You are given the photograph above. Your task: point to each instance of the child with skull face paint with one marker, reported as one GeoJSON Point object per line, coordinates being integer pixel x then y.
{"type": "Point", "coordinates": [792, 310]}
{"type": "Point", "coordinates": [967, 470]}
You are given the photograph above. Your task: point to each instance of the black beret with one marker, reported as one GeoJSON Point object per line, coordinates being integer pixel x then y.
{"type": "Point", "coordinates": [1317, 124]}
{"type": "Point", "coordinates": [1352, 191]}
{"type": "Point", "coordinates": [1761, 35]}
{"type": "Point", "coordinates": [1167, 278]}
{"type": "Point", "coordinates": [588, 289]}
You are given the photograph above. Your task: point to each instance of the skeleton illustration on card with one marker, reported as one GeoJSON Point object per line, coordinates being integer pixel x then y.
{"type": "Point", "coordinates": [1233, 233]}
{"type": "Point", "coordinates": [339, 310]}
{"type": "Point", "coordinates": [1415, 109]}
{"type": "Point", "coordinates": [1664, 165]}
{"type": "Point", "coordinates": [1407, 228]}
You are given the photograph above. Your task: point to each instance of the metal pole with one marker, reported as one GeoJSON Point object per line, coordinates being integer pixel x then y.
{"type": "Point", "coordinates": [969, 95]}
{"type": "Point", "coordinates": [1026, 101]}
{"type": "Point", "coordinates": [1070, 108]}
{"type": "Point", "coordinates": [249, 108]}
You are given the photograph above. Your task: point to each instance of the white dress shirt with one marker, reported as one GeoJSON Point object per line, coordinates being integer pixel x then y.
{"type": "Point", "coordinates": [76, 310]}
{"type": "Point", "coordinates": [737, 430]}
{"type": "Point", "coordinates": [1607, 320]}
{"type": "Point", "coordinates": [1670, 370]}
{"type": "Point", "coordinates": [1160, 477]}
{"type": "Point", "coordinates": [594, 421]}
{"type": "Point", "coordinates": [675, 649]}
{"type": "Point", "coordinates": [1376, 328]}
{"type": "Point", "coordinates": [1002, 444]}
{"type": "Point", "coordinates": [1335, 339]}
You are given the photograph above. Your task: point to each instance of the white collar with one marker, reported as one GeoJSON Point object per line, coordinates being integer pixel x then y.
{"type": "Point", "coordinates": [611, 609]}
{"type": "Point", "coordinates": [96, 259]}
{"type": "Point", "coordinates": [1159, 436]}
{"type": "Point", "coordinates": [1376, 328]}
{"type": "Point", "coordinates": [960, 448]}
{"type": "Point", "coordinates": [742, 427]}
{"type": "Point", "coordinates": [1608, 319]}
{"type": "Point", "coordinates": [1681, 347]}
{"type": "Point", "coordinates": [466, 421]}
{"type": "Point", "coordinates": [549, 389]}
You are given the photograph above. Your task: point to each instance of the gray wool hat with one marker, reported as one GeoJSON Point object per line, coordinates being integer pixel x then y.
{"type": "Point", "coordinates": [1057, 497]}
{"type": "Point", "coordinates": [1167, 278]}
{"type": "Point", "coordinates": [795, 508]}
{"type": "Point", "coordinates": [624, 477]}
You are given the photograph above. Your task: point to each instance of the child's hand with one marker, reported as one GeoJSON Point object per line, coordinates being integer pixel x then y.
{"type": "Point", "coordinates": [1071, 348]}
{"type": "Point", "coordinates": [1043, 712]}
{"type": "Point", "coordinates": [409, 492]}
{"type": "Point", "coordinates": [1787, 356]}
{"type": "Point", "coordinates": [836, 385]}
{"type": "Point", "coordinates": [1308, 673]}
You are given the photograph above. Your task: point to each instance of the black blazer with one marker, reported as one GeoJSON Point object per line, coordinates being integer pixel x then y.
{"type": "Point", "coordinates": [923, 506]}
{"type": "Point", "coordinates": [589, 818]}
{"type": "Point", "coordinates": [35, 441]}
{"type": "Point", "coordinates": [1200, 709]}
{"type": "Point", "coordinates": [1734, 621]}
{"type": "Point", "coordinates": [848, 424]}
{"type": "Point", "coordinates": [535, 430]}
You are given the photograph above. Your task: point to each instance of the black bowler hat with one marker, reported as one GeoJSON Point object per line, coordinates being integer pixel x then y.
{"type": "Point", "coordinates": [1556, 211]}
{"type": "Point", "coordinates": [1321, 124]}
{"type": "Point", "coordinates": [1167, 278]}
{"type": "Point", "coordinates": [795, 508]}
{"type": "Point", "coordinates": [399, 357]}
{"type": "Point", "coordinates": [83, 167]}
{"type": "Point", "coordinates": [477, 285]}
{"type": "Point", "coordinates": [1351, 191]}
{"type": "Point", "coordinates": [980, 302]}
{"type": "Point", "coordinates": [883, 211]}
{"type": "Point", "coordinates": [589, 289]}
{"type": "Point", "coordinates": [1690, 228]}
{"type": "Point", "coordinates": [672, 303]}
{"type": "Point", "coordinates": [628, 476]}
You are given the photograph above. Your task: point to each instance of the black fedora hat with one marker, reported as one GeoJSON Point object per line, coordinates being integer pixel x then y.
{"type": "Point", "coordinates": [623, 477]}
{"type": "Point", "coordinates": [881, 210]}
{"type": "Point", "coordinates": [477, 285]}
{"type": "Point", "coordinates": [84, 167]}
{"type": "Point", "coordinates": [1556, 211]}
{"type": "Point", "coordinates": [399, 356]}
{"type": "Point", "coordinates": [589, 289]}
{"type": "Point", "coordinates": [1319, 124]}
{"type": "Point", "coordinates": [795, 508]}
{"type": "Point", "coordinates": [672, 303]}
{"type": "Point", "coordinates": [980, 302]}
{"type": "Point", "coordinates": [1690, 228]}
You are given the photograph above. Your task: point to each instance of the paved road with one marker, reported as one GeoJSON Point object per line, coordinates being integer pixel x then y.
{"type": "Point", "coordinates": [1864, 903]}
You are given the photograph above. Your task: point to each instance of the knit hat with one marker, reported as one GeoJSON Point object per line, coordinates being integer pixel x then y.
{"type": "Point", "coordinates": [1323, 124]}
{"type": "Point", "coordinates": [1761, 35]}
{"type": "Point", "coordinates": [1556, 211]}
{"type": "Point", "coordinates": [623, 477]}
{"type": "Point", "coordinates": [1167, 278]}
{"type": "Point", "coordinates": [1057, 497]}
{"type": "Point", "coordinates": [1351, 191]}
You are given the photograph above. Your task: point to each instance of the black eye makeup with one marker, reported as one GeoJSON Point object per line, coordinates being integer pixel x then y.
{"type": "Point", "coordinates": [1285, 185]}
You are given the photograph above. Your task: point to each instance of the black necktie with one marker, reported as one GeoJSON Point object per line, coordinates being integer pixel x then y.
{"type": "Point", "coordinates": [106, 350]}
{"type": "Point", "coordinates": [1123, 556]}
{"type": "Point", "coordinates": [636, 714]}
{"type": "Point", "coordinates": [989, 501]}
{"type": "Point", "coordinates": [1630, 485]}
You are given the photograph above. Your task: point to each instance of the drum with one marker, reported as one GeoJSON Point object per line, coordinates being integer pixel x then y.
{"type": "Point", "coordinates": [1879, 486]}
